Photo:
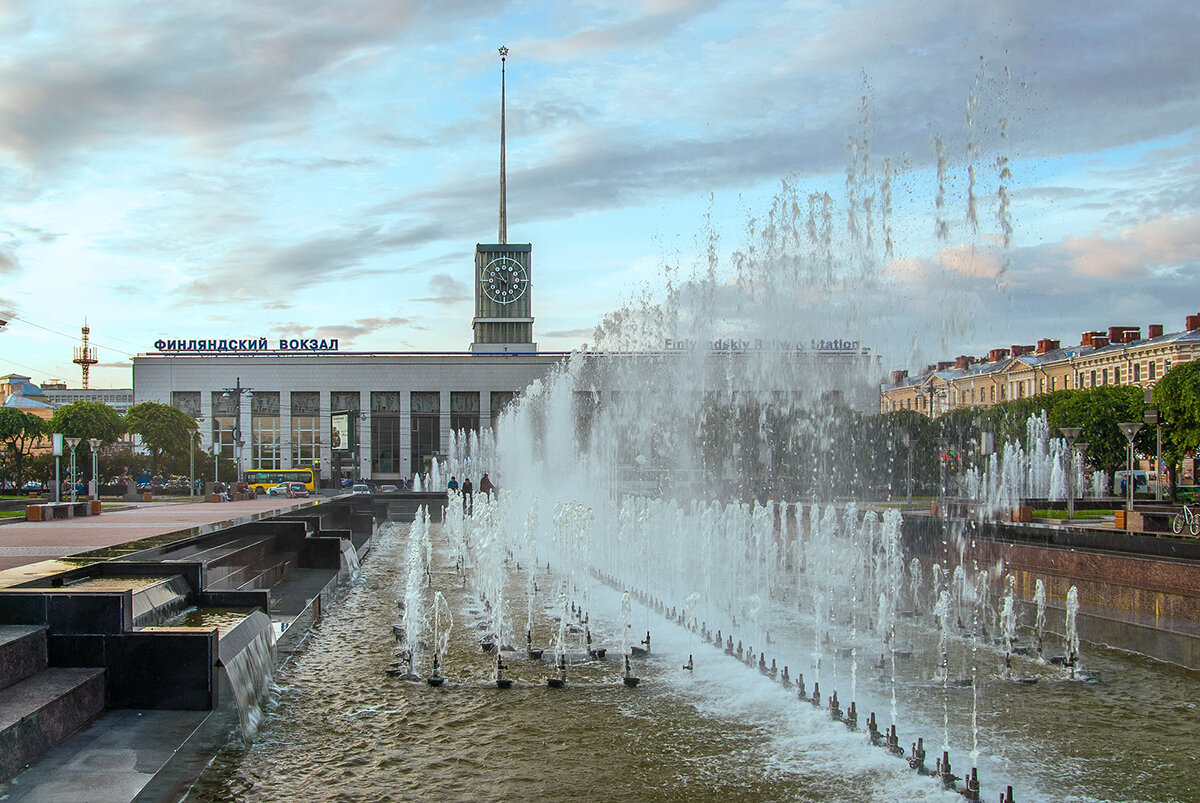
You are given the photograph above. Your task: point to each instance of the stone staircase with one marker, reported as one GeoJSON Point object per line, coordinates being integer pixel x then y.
{"type": "Point", "coordinates": [40, 706]}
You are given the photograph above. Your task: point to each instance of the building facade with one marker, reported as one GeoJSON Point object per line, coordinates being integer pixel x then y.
{"type": "Point", "coordinates": [1120, 356]}
{"type": "Point", "coordinates": [400, 407]}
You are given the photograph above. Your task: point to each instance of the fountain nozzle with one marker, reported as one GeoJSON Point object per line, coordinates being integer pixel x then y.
{"type": "Point", "coordinates": [629, 679]}
{"type": "Point", "coordinates": [971, 789]}
{"type": "Point", "coordinates": [834, 711]}
{"type": "Point", "coordinates": [944, 772]}
{"type": "Point", "coordinates": [917, 759]}
{"type": "Point", "coordinates": [873, 734]}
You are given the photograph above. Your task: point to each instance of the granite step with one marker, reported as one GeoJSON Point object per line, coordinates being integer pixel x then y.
{"type": "Point", "coordinates": [40, 712]}
{"type": "Point", "coordinates": [22, 653]}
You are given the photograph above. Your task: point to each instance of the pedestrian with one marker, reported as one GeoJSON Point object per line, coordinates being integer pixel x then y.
{"type": "Point", "coordinates": [485, 485]}
{"type": "Point", "coordinates": [453, 484]}
{"type": "Point", "coordinates": [468, 492]}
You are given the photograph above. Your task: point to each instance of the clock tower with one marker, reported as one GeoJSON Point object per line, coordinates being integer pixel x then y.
{"type": "Point", "coordinates": [503, 309]}
{"type": "Point", "coordinates": [503, 312]}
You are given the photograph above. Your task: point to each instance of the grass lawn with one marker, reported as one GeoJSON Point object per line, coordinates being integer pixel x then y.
{"type": "Point", "coordinates": [1079, 514]}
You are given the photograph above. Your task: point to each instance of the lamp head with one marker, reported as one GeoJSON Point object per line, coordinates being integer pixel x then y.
{"type": "Point", "coordinates": [1130, 430]}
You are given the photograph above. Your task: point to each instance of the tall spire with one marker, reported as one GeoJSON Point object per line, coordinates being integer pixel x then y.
{"type": "Point", "coordinates": [503, 188]}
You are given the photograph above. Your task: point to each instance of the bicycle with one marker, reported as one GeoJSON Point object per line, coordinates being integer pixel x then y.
{"type": "Point", "coordinates": [1186, 517]}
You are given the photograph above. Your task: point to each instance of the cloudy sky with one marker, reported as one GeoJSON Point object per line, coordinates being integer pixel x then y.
{"type": "Point", "coordinates": [324, 169]}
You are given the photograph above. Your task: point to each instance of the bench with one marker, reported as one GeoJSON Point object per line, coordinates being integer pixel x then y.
{"type": "Point", "coordinates": [61, 510]}
{"type": "Point", "coordinates": [1147, 520]}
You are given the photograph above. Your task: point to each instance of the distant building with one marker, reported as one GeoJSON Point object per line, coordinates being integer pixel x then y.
{"type": "Point", "coordinates": [1120, 356]}
{"type": "Point", "coordinates": [120, 399]}
{"type": "Point", "coordinates": [19, 392]}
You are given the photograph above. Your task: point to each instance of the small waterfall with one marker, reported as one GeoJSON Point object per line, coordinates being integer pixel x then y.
{"type": "Point", "coordinates": [350, 556]}
{"type": "Point", "coordinates": [250, 673]}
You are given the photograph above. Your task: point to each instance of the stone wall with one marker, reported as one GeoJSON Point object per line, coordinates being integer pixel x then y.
{"type": "Point", "coordinates": [1129, 600]}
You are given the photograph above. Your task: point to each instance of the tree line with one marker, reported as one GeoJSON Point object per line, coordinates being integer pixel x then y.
{"type": "Point", "coordinates": [165, 434]}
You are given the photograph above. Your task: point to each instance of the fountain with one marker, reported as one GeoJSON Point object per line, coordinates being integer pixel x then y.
{"type": "Point", "coordinates": [715, 457]}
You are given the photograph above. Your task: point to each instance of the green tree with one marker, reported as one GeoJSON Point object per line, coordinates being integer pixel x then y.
{"type": "Point", "coordinates": [1177, 396]}
{"type": "Point", "coordinates": [84, 420]}
{"type": "Point", "coordinates": [19, 433]}
{"type": "Point", "coordinates": [164, 429]}
{"type": "Point", "coordinates": [1098, 411]}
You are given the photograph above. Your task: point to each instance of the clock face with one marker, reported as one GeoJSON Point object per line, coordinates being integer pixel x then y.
{"type": "Point", "coordinates": [504, 280]}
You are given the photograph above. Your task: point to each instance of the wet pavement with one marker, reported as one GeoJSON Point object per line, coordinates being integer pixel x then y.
{"type": "Point", "coordinates": [24, 544]}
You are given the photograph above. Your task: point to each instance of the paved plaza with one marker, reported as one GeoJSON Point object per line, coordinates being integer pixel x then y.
{"type": "Point", "coordinates": [24, 543]}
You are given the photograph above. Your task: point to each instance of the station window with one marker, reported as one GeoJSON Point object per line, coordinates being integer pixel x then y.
{"type": "Point", "coordinates": [500, 400]}
{"type": "Point", "coordinates": [464, 411]}
{"type": "Point", "coordinates": [426, 440]}
{"type": "Point", "coordinates": [306, 428]}
{"type": "Point", "coordinates": [385, 432]}
{"type": "Point", "coordinates": [265, 431]}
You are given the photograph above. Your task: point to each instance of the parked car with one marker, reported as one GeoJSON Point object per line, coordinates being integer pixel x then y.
{"type": "Point", "coordinates": [360, 488]}
{"type": "Point", "coordinates": [297, 490]}
{"type": "Point", "coordinates": [389, 489]}
{"type": "Point", "coordinates": [279, 490]}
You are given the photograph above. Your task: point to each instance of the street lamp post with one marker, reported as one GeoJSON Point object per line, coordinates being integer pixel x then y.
{"type": "Point", "coordinates": [1151, 419]}
{"type": "Point", "coordinates": [237, 391]}
{"type": "Point", "coordinates": [906, 436]}
{"type": "Point", "coordinates": [192, 458]}
{"type": "Point", "coordinates": [1130, 431]}
{"type": "Point", "coordinates": [71, 444]}
{"type": "Point", "coordinates": [942, 444]}
{"type": "Point", "coordinates": [216, 465]}
{"type": "Point", "coordinates": [95, 444]}
{"type": "Point", "coordinates": [1070, 434]}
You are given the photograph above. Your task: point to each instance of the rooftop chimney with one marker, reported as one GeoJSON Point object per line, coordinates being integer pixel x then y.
{"type": "Point", "coordinates": [963, 362]}
{"type": "Point", "coordinates": [898, 377]}
{"type": "Point", "coordinates": [996, 355]}
{"type": "Point", "coordinates": [1155, 330]}
{"type": "Point", "coordinates": [1046, 345]}
{"type": "Point", "coordinates": [1191, 323]}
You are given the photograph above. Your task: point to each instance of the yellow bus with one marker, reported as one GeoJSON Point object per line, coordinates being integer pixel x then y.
{"type": "Point", "coordinates": [262, 480]}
